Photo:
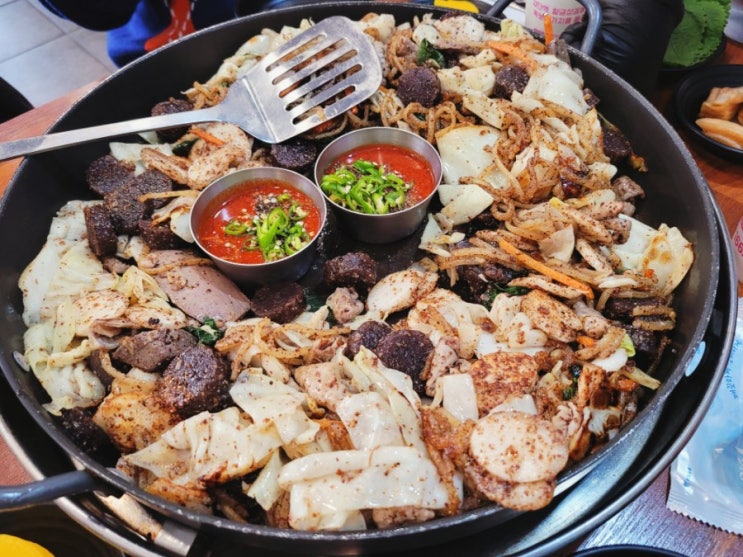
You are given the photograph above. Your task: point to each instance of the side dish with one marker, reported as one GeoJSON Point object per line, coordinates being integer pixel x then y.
{"type": "Point", "coordinates": [378, 179]}
{"type": "Point", "coordinates": [255, 222]}
{"type": "Point", "coordinates": [721, 117]}
{"type": "Point", "coordinates": [525, 334]}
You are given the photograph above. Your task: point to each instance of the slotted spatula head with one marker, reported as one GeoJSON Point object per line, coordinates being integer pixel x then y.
{"type": "Point", "coordinates": [312, 78]}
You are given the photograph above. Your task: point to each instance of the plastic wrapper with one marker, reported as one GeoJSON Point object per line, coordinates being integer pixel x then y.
{"type": "Point", "coordinates": [707, 475]}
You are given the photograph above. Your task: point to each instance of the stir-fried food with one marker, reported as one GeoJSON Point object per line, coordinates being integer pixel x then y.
{"type": "Point", "coordinates": [523, 337]}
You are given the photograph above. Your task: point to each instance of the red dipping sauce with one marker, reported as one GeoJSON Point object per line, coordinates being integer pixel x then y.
{"type": "Point", "coordinates": [237, 207]}
{"type": "Point", "coordinates": [406, 163]}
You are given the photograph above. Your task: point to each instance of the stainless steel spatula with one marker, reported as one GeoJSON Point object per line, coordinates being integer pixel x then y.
{"type": "Point", "coordinates": [314, 77]}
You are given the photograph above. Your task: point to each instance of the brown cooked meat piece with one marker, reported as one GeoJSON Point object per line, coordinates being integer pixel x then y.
{"type": "Point", "coordinates": [101, 233]}
{"type": "Point", "coordinates": [95, 363]}
{"type": "Point", "coordinates": [408, 351]}
{"type": "Point", "coordinates": [295, 154]}
{"type": "Point", "coordinates": [356, 269]}
{"type": "Point", "coordinates": [508, 79]}
{"type": "Point", "coordinates": [419, 84]}
{"type": "Point", "coordinates": [368, 334]}
{"type": "Point", "coordinates": [478, 280]}
{"type": "Point", "coordinates": [281, 302]}
{"type": "Point", "coordinates": [123, 203]}
{"type": "Point", "coordinates": [106, 173]}
{"type": "Point", "coordinates": [151, 350]}
{"type": "Point", "coordinates": [616, 145]}
{"type": "Point", "coordinates": [85, 433]}
{"type": "Point", "coordinates": [196, 380]}
{"type": "Point", "coordinates": [620, 309]}
{"type": "Point", "coordinates": [647, 342]}
{"type": "Point", "coordinates": [201, 291]}
{"type": "Point", "coordinates": [159, 236]}
{"type": "Point", "coordinates": [171, 106]}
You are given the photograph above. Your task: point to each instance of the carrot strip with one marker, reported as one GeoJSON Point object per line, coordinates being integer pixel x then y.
{"type": "Point", "coordinates": [206, 136]}
{"type": "Point", "coordinates": [586, 341]}
{"type": "Point", "coordinates": [549, 34]}
{"type": "Point", "coordinates": [528, 261]}
{"type": "Point", "coordinates": [513, 51]}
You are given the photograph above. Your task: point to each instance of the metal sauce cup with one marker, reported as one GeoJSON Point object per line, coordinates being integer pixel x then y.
{"type": "Point", "coordinates": [380, 229]}
{"type": "Point", "coordinates": [253, 274]}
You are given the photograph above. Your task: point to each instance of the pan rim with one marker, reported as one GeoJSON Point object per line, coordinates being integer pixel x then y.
{"type": "Point", "coordinates": [32, 405]}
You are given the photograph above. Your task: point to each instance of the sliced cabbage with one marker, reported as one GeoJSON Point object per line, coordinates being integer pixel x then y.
{"type": "Point", "coordinates": [524, 403]}
{"type": "Point", "coordinates": [327, 485]}
{"type": "Point", "coordinates": [369, 421]}
{"type": "Point", "coordinates": [559, 245]}
{"type": "Point", "coordinates": [464, 202]}
{"type": "Point", "coordinates": [91, 307]}
{"type": "Point", "coordinates": [485, 57]}
{"type": "Point", "coordinates": [465, 151]}
{"type": "Point", "coordinates": [614, 361]}
{"type": "Point", "coordinates": [381, 25]}
{"type": "Point", "coordinates": [465, 318]}
{"type": "Point", "coordinates": [458, 395]}
{"type": "Point", "coordinates": [367, 373]}
{"type": "Point", "coordinates": [208, 448]}
{"type": "Point", "coordinates": [265, 489]}
{"type": "Point", "coordinates": [478, 81]}
{"type": "Point", "coordinates": [64, 268]}
{"type": "Point", "coordinates": [463, 29]}
{"type": "Point", "coordinates": [664, 252]}
{"type": "Point", "coordinates": [132, 152]}
{"type": "Point", "coordinates": [513, 29]}
{"type": "Point", "coordinates": [178, 214]}
{"type": "Point", "coordinates": [492, 111]}
{"type": "Point", "coordinates": [268, 401]}
{"type": "Point", "coordinates": [557, 83]}
{"type": "Point", "coordinates": [512, 326]}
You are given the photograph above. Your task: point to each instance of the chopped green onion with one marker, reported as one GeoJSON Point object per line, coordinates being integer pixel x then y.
{"type": "Point", "coordinates": [277, 234]}
{"type": "Point", "coordinates": [366, 187]}
{"type": "Point", "coordinates": [235, 228]}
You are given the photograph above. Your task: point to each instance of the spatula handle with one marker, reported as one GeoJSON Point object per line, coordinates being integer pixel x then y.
{"type": "Point", "coordinates": [49, 142]}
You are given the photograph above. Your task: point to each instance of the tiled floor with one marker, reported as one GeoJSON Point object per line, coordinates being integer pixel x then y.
{"type": "Point", "coordinates": [44, 56]}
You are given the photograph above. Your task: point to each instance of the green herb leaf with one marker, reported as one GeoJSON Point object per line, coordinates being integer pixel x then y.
{"type": "Point", "coordinates": [427, 52]}
{"type": "Point", "coordinates": [698, 34]}
{"type": "Point", "coordinates": [183, 148]}
{"type": "Point", "coordinates": [569, 392]}
{"type": "Point", "coordinates": [496, 289]}
{"type": "Point", "coordinates": [208, 333]}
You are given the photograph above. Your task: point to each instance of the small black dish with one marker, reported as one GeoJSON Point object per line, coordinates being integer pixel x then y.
{"type": "Point", "coordinates": [693, 90]}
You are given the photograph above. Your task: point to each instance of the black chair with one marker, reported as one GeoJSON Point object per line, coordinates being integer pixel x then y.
{"type": "Point", "coordinates": [12, 102]}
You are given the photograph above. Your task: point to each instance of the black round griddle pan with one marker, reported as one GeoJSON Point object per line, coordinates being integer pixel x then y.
{"type": "Point", "coordinates": [676, 194]}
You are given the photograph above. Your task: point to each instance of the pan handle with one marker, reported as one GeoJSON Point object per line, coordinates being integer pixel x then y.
{"type": "Point", "coordinates": [593, 13]}
{"type": "Point", "coordinates": [15, 497]}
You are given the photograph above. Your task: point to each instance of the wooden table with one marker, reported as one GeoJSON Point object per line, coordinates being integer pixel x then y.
{"type": "Point", "coordinates": [645, 521]}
